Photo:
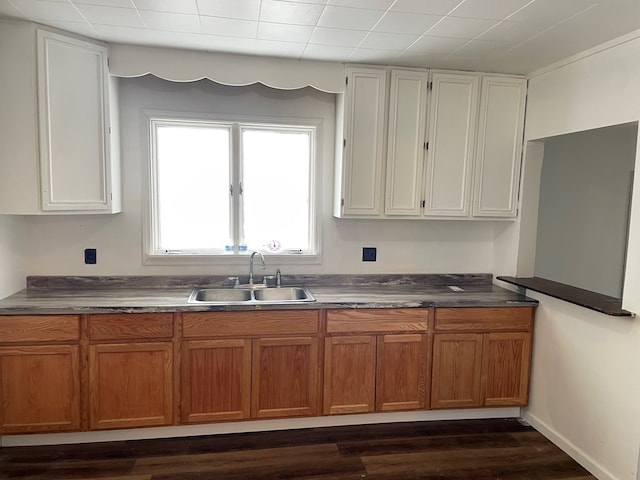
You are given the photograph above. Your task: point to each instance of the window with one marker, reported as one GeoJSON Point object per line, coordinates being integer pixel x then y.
{"type": "Point", "coordinates": [227, 188]}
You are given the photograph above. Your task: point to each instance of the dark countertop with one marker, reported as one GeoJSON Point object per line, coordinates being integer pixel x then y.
{"type": "Point", "coordinates": [69, 295]}
{"type": "Point", "coordinates": [578, 296]}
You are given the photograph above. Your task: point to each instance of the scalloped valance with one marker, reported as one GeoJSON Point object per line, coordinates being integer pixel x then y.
{"type": "Point", "coordinates": [227, 69]}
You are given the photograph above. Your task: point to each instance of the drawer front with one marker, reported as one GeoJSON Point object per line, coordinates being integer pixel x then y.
{"type": "Point", "coordinates": [378, 320]}
{"type": "Point", "coordinates": [126, 326]}
{"type": "Point", "coordinates": [483, 319]}
{"type": "Point", "coordinates": [39, 328]}
{"type": "Point", "coordinates": [250, 324]}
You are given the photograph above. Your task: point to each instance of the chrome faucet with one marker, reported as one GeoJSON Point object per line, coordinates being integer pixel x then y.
{"type": "Point", "coordinates": [264, 265]}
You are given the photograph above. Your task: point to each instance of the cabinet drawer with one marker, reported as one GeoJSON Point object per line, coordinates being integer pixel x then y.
{"type": "Point", "coordinates": [225, 324]}
{"type": "Point", "coordinates": [128, 326]}
{"type": "Point", "coordinates": [483, 319]}
{"type": "Point", "coordinates": [377, 320]}
{"type": "Point", "coordinates": [39, 328]}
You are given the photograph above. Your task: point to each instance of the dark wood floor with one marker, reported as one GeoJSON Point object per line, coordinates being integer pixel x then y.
{"type": "Point", "coordinates": [476, 449]}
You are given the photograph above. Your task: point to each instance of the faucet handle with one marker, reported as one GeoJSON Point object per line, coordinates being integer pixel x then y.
{"type": "Point", "coordinates": [235, 280]}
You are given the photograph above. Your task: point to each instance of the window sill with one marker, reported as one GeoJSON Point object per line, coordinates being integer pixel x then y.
{"type": "Point", "coordinates": [212, 260]}
{"type": "Point", "coordinates": [578, 296]}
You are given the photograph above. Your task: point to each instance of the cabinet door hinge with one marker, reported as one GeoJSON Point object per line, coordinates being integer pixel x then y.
{"type": "Point", "coordinates": [430, 86]}
{"type": "Point", "coordinates": [344, 142]}
{"type": "Point", "coordinates": [424, 203]}
{"type": "Point", "coordinates": [346, 80]}
{"type": "Point", "coordinates": [342, 202]}
{"type": "Point", "coordinates": [426, 145]}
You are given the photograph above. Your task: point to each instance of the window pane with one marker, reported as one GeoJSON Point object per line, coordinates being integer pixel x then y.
{"type": "Point", "coordinates": [193, 187]}
{"type": "Point", "coordinates": [276, 168]}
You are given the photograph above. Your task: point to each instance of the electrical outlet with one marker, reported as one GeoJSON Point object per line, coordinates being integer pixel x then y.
{"type": "Point", "coordinates": [368, 254]}
{"type": "Point", "coordinates": [90, 256]}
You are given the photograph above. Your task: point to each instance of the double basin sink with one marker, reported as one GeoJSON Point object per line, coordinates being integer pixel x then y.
{"type": "Point", "coordinates": [250, 296]}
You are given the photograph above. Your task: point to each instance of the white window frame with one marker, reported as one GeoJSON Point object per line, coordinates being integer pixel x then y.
{"type": "Point", "coordinates": [154, 256]}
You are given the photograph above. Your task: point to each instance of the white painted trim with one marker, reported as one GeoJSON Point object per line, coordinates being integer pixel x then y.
{"type": "Point", "coordinates": [256, 426]}
{"type": "Point", "coordinates": [585, 54]}
{"type": "Point", "coordinates": [568, 447]}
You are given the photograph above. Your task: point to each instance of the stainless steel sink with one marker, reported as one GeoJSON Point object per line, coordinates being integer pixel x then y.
{"type": "Point", "coordinates": [283, 294]}
{"type": "Point", "coordinates": [247, 296]}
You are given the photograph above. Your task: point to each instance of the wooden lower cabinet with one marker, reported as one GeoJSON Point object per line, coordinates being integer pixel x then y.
{"type": "Point", "coordinates": [39, 388]}
{"type": "Point", "coordinates": [284, 377]}
{"type": "Point", "coordinates": [401, 372]}
{"type": "Point", "coordinates": [216, 380]}
{"type": "Point", "coordinates": [349, 374]}
{"type": "Point", "coordinates": [478, 361]}
{"type": "Point", "coordinates": [130, 385]}
{"type": "Point", "coordinates": [384, 370]}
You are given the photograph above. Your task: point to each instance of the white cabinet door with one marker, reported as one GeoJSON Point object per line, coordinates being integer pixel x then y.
{"type": "Point", "coordinates": [363, 142]}
{"type": "Point", "coordinates": [452, 132]}
{"type": "Point", "coordinates": [76, 169]}
{"type": "Point", "coordinates": [499, 149]}
{"type": "Point", "coordinates": [406, 140]}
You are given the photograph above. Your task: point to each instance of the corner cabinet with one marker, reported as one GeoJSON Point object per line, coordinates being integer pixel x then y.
{"type": "Point", "coordinates": [61, 123]}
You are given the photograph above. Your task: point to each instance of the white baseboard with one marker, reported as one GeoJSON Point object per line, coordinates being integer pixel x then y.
{"type": "Point", "coordinates": [255, 426]}
{"type": "Point", "coordinates": [568, 447]}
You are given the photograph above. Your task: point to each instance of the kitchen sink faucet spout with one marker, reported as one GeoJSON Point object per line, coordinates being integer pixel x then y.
{"type": "Point", "coordinates": [263, 266]}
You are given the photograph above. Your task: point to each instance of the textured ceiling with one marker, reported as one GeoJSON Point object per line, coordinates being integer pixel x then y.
{"type": "Point", "coordinates": [511, 36]}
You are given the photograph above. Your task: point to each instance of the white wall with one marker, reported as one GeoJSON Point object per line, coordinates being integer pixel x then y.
{"type": "Point", "coordinates": [12, 254]}
{"type": "Point", "coordinates": [584, 208]}
{"type": "Point", "coordinates": [585, 385]}
{"type": "Point", "coordinates": [56, 244]}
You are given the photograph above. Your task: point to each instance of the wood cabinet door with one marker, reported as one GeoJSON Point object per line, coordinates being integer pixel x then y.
{"type": "Point", "coordinates": [400, 375]}
{"type": "Point", "coordinates": [39, 389]}
{"type": "Point", "coordinates": [453, 117]}
{"type": "Point", "coordinates": [216, 380]}
{"type": "Point", "coordinates": [284, 377]}
{"type": "Point", "coordinates": [349, 374]}
{"type": "Point", "coordinates": [364, 141]}
{"type": "Point", "coordinates": [406, 142]}
{"type": "Point", "coordinates": [505, 368]}
{"type": "Point", "coordinates": [456, 374]}
{"type": "Point", "coordinates": [499, 148]}
{"type": "Point", "coordinates": [130, 385]}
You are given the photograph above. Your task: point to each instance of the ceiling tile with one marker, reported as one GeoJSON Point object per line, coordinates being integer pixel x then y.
{"type": "Point", "coordinates": [81, 28]}
{"type": "Point", "coordinates": [115, 34]}
{"type": "Point", "coordinates": [317, 2]}
{"type": "Point", "coordinates": [229, 27]}
{"type": "Point", "coordinates": [230, 44]}
{"type": "Point", "coordinates": [371, 4]}
{"type": "Point", "coordinates": [513, 32]}
{"type": "Point", "coordinates": [192, 41]}
{"type": "Point", "coordinates": [44, 10]}
{"type": "Point", "coordinates": [278, 11]}
{"type": "Point", "coordinates": [414, 59]}
{"type": "Point", "coordinates": [483, 48]}
{"type": "Point", "coordinates": [337, 37]}
{"type": "Point", "coordinates": [241, 9]}
{"type": "Point", "coordinates": [550, 12]}
{"type": "Point", "coordinates": [436, 46]}
{"type": "Point", "coordinates": [388, 41]}
{"type": "Point", "coordinates": [278, 49]}
{"type": "Point", "coordinates": [327, 52]}
{"type": "Point", "coordinates": [173, 6]}
{"type": "Point", "coordinates": [284, 33]}
{"type": "Point", "coordinates": [461, 27]}
{"type": "Point", "coordinates": [9, 10]}
{"type": "Point", "coordinates": [349, 18]}
{"type": "Point", "coordinates": [172, 22]}
{"type": "Point", "coordinates": [489, 9]}
{"type": "Point", "coordinates": [122, 17]}
{"type": "Point", "coordinates": [106, 3]}
{"type": "Point", "coordinates": [369, 55]}
{"type": "Point", "coordinates": [429, 7]}
{"type": "Point", "coordinates": [398, 22]}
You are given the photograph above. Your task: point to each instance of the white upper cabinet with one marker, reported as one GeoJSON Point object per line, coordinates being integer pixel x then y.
{"type": "Point", "coordinates": [499, 148]}
{"type": "Point", "coordinates": [360, 172]}
{"type": "Point", "coordinates": [57, 127]}
{"type": "Point", "coordinates": [452, 133]}
{"type": "Point", "coordinates": [406, 142]}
